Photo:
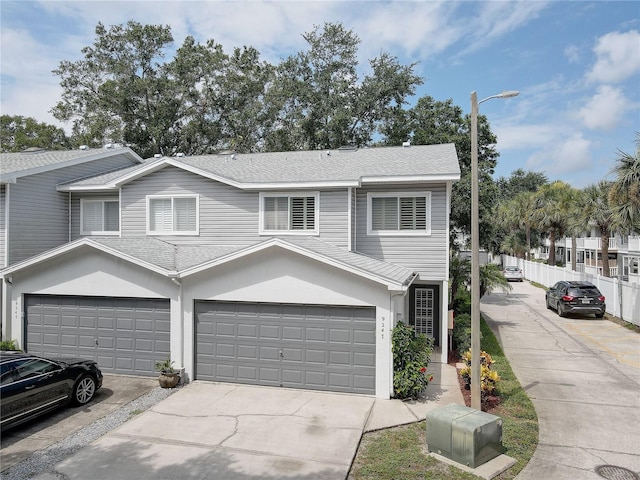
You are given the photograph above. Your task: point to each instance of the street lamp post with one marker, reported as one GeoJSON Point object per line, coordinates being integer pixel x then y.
{"type": "Point", "coordinates": [475, 249]}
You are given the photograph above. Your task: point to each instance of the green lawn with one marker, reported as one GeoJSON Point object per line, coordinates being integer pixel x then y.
{"type": "Point", "coordinates": [400, 452]}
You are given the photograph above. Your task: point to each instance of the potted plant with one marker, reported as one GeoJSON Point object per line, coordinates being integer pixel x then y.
{"type": "Point", "coordinates": [168, 378]}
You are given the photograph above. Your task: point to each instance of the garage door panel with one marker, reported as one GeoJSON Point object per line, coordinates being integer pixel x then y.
{"type": "Point", "coordinates": [299, 346]}
{"type": "Point", "coordinates": [247, 331]}
{"type": "Point", "coordinates": [248, 352]}
{"type": "Point", "coordinates": [313, 334]}
{"type": "Point", "coordinates": [124, 335]}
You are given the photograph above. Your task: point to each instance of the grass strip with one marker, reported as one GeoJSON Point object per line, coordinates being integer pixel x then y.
{"type": "Point", "coordinates": [400, 452]}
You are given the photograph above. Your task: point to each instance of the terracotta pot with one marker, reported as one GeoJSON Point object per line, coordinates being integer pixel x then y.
{"type": "Point", "coordinates": [168, 380]}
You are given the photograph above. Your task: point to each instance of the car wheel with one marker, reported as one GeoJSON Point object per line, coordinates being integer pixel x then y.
{"type": "Point", "coordinates": [599, 315]}
{"type": "Point", "coordinates": [84, 390]}
{"type": "Point", "coordinates": [561, 311]}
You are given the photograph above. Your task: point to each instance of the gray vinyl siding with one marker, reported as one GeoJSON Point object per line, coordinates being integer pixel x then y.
{"type": "Point", "coordinates": [75, 208]}
{"type": "Point", "coordinates": [39, 214]}
{"type": "Point", "coordinates": [426, 255]}
{"type": "Point", "coordinates": [228, 215]}
{"type": "Point", "coordinates": [334, 217]}
{"type": "Point", "coordinates": [3, 193]}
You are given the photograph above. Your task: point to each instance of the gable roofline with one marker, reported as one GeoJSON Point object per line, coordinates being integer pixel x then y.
{"type": "Point", "coordinates": [301, 169]}
{"type": "Point", "coordinates": [74, 245]}
{"type": "Point", "coordinates": [278, 242]}
{"type": "Point", "coordinates": [398, 284]}
{"type": "Point", "coordinates": [12, 177]}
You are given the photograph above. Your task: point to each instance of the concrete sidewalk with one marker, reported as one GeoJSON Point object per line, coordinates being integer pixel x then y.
{"type": "Point", "coordinates": [583, 377]}
{"type": "Point", "coordinates": [229, 431]}
{"type": "Point", "coordinates": [444, 390]}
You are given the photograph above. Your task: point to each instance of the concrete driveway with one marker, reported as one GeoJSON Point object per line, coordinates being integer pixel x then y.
{"type": "Point", "coordinates": [583, 376]}
{"type": "Point", "coordinates": [224, 431]}
{"type": "Point", "coordinates": [20, 442]}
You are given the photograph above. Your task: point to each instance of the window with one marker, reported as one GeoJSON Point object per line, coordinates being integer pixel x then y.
{"type": "Point", "coordinates": [174, 215]}
{"type": "Point", "coordinates": [99, 217]}
{"type": "Point", "coordinates": [289, 213]}
{"type": "Point", "coordinates": [399, 213]}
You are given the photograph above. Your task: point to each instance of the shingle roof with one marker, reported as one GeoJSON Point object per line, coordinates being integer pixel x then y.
{"type": "Point", "coordinates": [317, 166]}
{"type": "Point", "coordinates": [178, 258]}
{"type": "Point", "coordinates": [14, 165]}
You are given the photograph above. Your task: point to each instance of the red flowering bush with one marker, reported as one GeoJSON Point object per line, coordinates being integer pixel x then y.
{"type": "Point", "coordinates": [411, 356]}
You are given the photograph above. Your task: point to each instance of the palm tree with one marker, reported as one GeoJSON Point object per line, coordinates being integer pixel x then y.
{"type": "Point", "coordinates": [459, 274]}
{"type": "Point", "coordinates": [518, 213]}
{"type": "Point", "coordinates": [490, 278]}
{"type": "Point", "coordinates": [513, 245]}
{"type": "Point", "coordinates": [595, 211]}
{"type": "Point", "coordinates": [625, 192]}
{"type": "Point", "coordinates": [552, 212]}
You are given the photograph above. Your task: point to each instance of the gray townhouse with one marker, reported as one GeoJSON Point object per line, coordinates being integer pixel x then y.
{"type": "Point", "coordinates": [283, 269]}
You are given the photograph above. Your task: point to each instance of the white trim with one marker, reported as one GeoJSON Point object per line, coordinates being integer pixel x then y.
{"type": "Point", "coordinates": [410, 179]}
{"type": "Point", "coordinates": [99, 232]}
{"type": "Point", "coordinates": [392, 285]}
{"type": "Point", "coordinates": [350, 191]}
{"type": "Point", "coordinates": [85, 241]}
{"type": "Point", "coordinates": [289, 231]}
{"type": "Point", "coordinates": [126, 151]}
{"type": "Point", "coordinates": [7, 217]}
{"type": "Point", "coordinates": [172, 197]}
{"type": "Point", "coordinates": [399, 233]}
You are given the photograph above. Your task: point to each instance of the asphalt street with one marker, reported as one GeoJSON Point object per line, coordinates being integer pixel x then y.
{"type": "Point", "coordinates": [583, 376]}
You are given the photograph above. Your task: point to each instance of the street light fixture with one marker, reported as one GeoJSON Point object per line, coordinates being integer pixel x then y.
{"type": "Point", "coordinates": [475, 249]}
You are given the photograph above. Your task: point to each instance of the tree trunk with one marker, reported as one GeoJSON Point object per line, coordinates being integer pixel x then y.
{"type": "Point", "coordinates": [552, 248]}
{"type": "Point", "coordinates": [605, 254]}
{"type": "Point", "coordinates": [574, 247]}
{"type": "Point", "coordinates": [528, 255]}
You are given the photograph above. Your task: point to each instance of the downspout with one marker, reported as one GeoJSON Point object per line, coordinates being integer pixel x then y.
{"type": "Point", "coordinates": [350, 219]}
{"type": "Point", "coordinates": [69, 219]}
{"type": "Point", "coordinates": [180, 322]}
{"type": "Point", "coordinates": [393, 321]}
{"type": "Point", "coordinates": [355, 219]}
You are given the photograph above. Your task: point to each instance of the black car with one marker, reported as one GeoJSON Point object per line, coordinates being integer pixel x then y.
{"type": "Point", "coordinates": [576, 297]}
{"type": "Point", "coordinates": [31, 385]}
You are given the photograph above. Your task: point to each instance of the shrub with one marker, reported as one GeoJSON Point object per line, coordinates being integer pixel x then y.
{"type": "Point", "coordinates": [462, 333]}
{"type": "Point", "coordinates": [411, 356]}
{"type": "Point", "coordinates": [6, 345]}
{"type": "Point", "coordinates": [488, 378]}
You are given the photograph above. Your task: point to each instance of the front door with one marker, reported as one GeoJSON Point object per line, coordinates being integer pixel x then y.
{"type": "Point", "coordinates": [425, 311]}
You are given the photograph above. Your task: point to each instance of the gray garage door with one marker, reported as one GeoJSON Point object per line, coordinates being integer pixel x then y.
{"type": "Point", "coordinates": [299, 346]}
{"type": "Point", "coordinates": [124, 335]}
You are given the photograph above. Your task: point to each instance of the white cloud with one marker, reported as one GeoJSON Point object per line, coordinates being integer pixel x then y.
{"type": "Point", "coordinates": [560, 155]}
{"type": "Point", "coordinates": [572, 53]}
{"type": "Point", "coordinates": [605, 109]}
{"type": "Point", "coordinates": [617, 57]}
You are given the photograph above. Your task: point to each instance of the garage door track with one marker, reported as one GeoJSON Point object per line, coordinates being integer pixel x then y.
{"type": "Point", "coordinates": [224, 431]}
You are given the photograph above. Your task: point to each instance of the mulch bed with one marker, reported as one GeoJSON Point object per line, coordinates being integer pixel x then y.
{"type": "Point", "coordinates": [489, 405]}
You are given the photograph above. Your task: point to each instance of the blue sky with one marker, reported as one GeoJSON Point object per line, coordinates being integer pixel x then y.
{"type": "Point", "coordinates": [576, 64]}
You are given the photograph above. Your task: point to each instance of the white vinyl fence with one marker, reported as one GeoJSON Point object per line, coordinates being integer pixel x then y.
{"type": "Point", "coordinates": [622, 298]}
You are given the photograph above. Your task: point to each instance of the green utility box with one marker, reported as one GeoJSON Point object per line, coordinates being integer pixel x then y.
{"type": "Point", "coordinates": [464, 435]}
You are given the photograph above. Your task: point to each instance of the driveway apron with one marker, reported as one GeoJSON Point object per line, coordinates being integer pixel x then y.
{"type": "Point", "coordinates": [583, 376]}
{"type": "Point", "coordinates": [224, 431]}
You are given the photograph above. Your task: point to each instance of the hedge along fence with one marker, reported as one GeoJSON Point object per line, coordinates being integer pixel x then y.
{"type": "Point", "coordinates": [622, 298]}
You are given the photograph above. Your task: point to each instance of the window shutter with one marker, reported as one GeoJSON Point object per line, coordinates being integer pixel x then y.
{"type": "Point", "coordinates": [276, 213]}
{"type": "Point", "coordinates": [160, 218]}
{"type": "Point", "coordinates": [92, 216]}
{"type": "Point", "coordinates": [302, 213]}
{"type": "Point", "coordinates": [413, 213]}
{"type": "Point", "coordinates": [184, 219]}
{"type": "Point", "coordinates": [111, 216]}
{"type": "Point", "coordinates": [384, 214]}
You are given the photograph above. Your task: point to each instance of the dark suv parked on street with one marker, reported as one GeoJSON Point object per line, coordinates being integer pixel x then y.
{"type": "Point", "coordinates": [576, 297]}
